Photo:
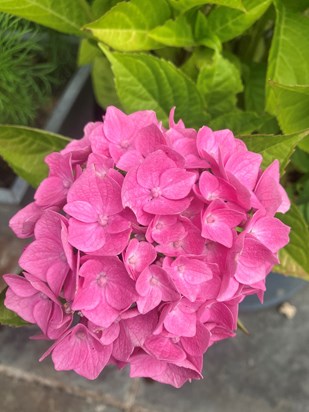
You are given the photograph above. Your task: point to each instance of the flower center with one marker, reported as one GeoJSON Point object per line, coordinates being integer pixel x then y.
{"type": "Point", "coordinates": [154, 281]}
{"type": "Point", "coordinates": [156, 192]}
{"type": "Point", "coordinates": [210, 219]}
{"type": "Point", "coordinates": [101, 280]}
{"type": "Point", "coordinates": [103, 219]}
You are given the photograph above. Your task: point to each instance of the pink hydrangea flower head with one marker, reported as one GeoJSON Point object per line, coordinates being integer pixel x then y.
{"type": "Point", "coordinates": [145, 240]}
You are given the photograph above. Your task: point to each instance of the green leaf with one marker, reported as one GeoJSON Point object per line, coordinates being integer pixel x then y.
{"type": "Point", "coordinates": [292, 105]}
{"type": "Point", "coordinates": [59, 15]}
{"type": "Point", "coordinates": [24, 149]}
{"type": "Point", "coordinates": [219, 84]}
{"type": "Point", "coordinates": [304, 209]}
{"type": "Point", "coordinates": [185, 5]}
{"type": "Point", "coordinates": [288, 62]}
{"type": "Point", "coordinates": [100, 7]}
{"type": "Point", "coordinates": [87, 52]}
{"type": "Point", "coordinates": [190, 29]}
{"type": "Point", "coordinates": [237, 121]}
{"type": "Point", "coordinates": [255, 79]}
{"type": "Point", "coordinates": [147, 82]}
{"type": "Point", "coordinates": [7, 317]}
{"type": "Point", "coordinates": [227, 23]}
{"type": "Point", "coordinates": [103, 83]}
{"type": "Point", "coordinates": [274, 147]}
{"type": "Point", "coordinates": [126, 26]}
{"type": "Point", "coordinates": [294, 258]}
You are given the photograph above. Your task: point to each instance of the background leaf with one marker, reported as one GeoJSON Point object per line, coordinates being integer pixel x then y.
{"type": "Point", "coordinates": [254, 92]}
{"type": "Point", "coordinates": [59, 15]}
{"type": "Point", "coordinates": [274, 147]}
{"type": "Point", "coordinates": [7, 317]}
{"type": "Point", "coordinates": [294, 258]}
{"type": "Point", "coordinates": [126, 26]}
{"type": "Point", "coordinates": [219, 83]}
{"type": "Point", "coordinates": [291, 105]}
{"type": "Point", "coordinates": [100, 7]}
{"type": "Point", "coordinates": [24, 149]}
{"type": "Point", "coordinates": [288, 62]}
{"type": "Point", "coordinates": [184, 5]}
{"type": "Point", "coordinates": [147, 82]}
{"type": "Point", "coordinates": [190, 29]}
{"type": "Point", "coordinates": [227, 23]}
{"type": "Point", "coordinates": [103, 83]}
{"type": "Point", "coordinates": [238, 121]}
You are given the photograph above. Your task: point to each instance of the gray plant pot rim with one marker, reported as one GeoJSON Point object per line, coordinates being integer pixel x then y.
{"type": "Point", "coordinates": [14, 194]}
{"type": "Point", "coordinates": [279, 288]}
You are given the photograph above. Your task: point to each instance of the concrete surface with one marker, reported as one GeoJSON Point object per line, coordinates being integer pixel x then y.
{"type": "Point", "coordinates": [265, 372]}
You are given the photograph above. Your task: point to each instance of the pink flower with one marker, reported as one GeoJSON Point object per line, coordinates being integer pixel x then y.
{"type": "Point", "coordinates": [218, 222]}
{"type": "Point", "coordinates": [157, 186]}
{"type": "Point", "coordinates": [81, 351]}
{"type": "Point", "coordinates": [94, 202]}
{"type": "Point", "coordinates": [105, 290]}
{"type": "Point", "coordinates": [50, 256]}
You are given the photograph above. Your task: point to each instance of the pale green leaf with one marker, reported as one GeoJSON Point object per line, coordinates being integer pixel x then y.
{"type": "Point", "coordinates": [288, 62]}
{"type": "Point", "coordinates": [294, 258]}
{"type": "Point", "coordinates": [274, 147]}
{"type": "Point", "coordinates": [238, 121]}
{"type": "Point", "coordinates": [126, 26]}
{"type": "Point", "coordinates": [185, 5]}
{"type": "Point", "coordinates": [24, 149]}
{"type": "Point", "coordinates": [227, 23]}
{"type": "Point", "coordinates": [147, 82]}
{"type": "Point", "coordinates": [291, 106]}
{"type": "Point", "coordinates": [60, 15]}
{"type": "Point", "coordinates": [7, 317]}
{"type": "Point", "coordinates": [219, 83]}
{"type": "Point", "coordinates": [190, 29]}
{"type": "Point", "coordinates": [103, 83]}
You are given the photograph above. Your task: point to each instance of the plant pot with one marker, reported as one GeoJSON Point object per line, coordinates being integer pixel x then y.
{"type": "Point", "coordinates": [74, 109]}
{"type": "Point", "coordinates": [279, 288]}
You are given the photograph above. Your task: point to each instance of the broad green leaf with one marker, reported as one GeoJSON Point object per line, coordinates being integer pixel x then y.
{"type": "Point", "coordinates": [288, 62]}
{"type": "Point", "coordinates": [254, 92]}
{"type": "Point", "coordinates": [294, 258]}
{"type": "Point", "coordinates": [147, 82]}
{"type": "Point", "coordinates": [219, 84]}
{"type": "Point", "coordinates": [292, 105]}
{"type": "Point", "coordinates": [274, 147]}
{"type": "Point", "coordinates": [24, 149]}
{"type": "Point", "coordinates": [227, 23]}
{"type": "Point", "coordinates": [185, 5]}
{"type": "Point", "coordinates": [60, 15]}
{"type": "Point", "coordinates": [126, 26]}
{"type": "Point", "coordinates": [190, 29]}
{"type": "Point", "coordinates": [7, 317]}
{"type": "Point", "coordinates": [239, 122]}
{"type": "Point", "coordinates": [100, 7]}
{"type": "Point", "coordinates": [103, 83]}
{"type": "Point", "coordinates": [87, 52]}
{"type": "Point", "coordinates": [304, 209]}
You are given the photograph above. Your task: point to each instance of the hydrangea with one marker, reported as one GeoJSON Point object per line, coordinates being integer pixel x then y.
{"type": "Point", "coordinates": [146, 240]}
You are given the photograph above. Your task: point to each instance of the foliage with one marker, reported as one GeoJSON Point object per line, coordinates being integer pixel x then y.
{"type": "Point", "coordinates": [33, 61]}
{"type": "Point", "coordinates": [241, 64]}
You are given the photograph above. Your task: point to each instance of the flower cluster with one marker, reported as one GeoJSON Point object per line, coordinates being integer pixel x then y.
{"type": "Point", "coordinates": [146, 240]}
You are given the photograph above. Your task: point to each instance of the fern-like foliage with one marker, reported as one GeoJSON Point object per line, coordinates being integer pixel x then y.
{"type": "Point", "coordinates": [33, 60]}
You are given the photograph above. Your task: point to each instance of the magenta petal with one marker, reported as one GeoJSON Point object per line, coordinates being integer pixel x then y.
{"type": "Point", "coordinates": [87, 237]}
{"type": "Point", "coordinates": [51, 192]}
{"type": "Point", "coordinates": [176, 183]}
{"type": "Point", "coordinates": [163, 348]}
{"type": "Point", "coordinates": [82, 211]}
{"type": "Point", "coordinates": [149, 172]}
